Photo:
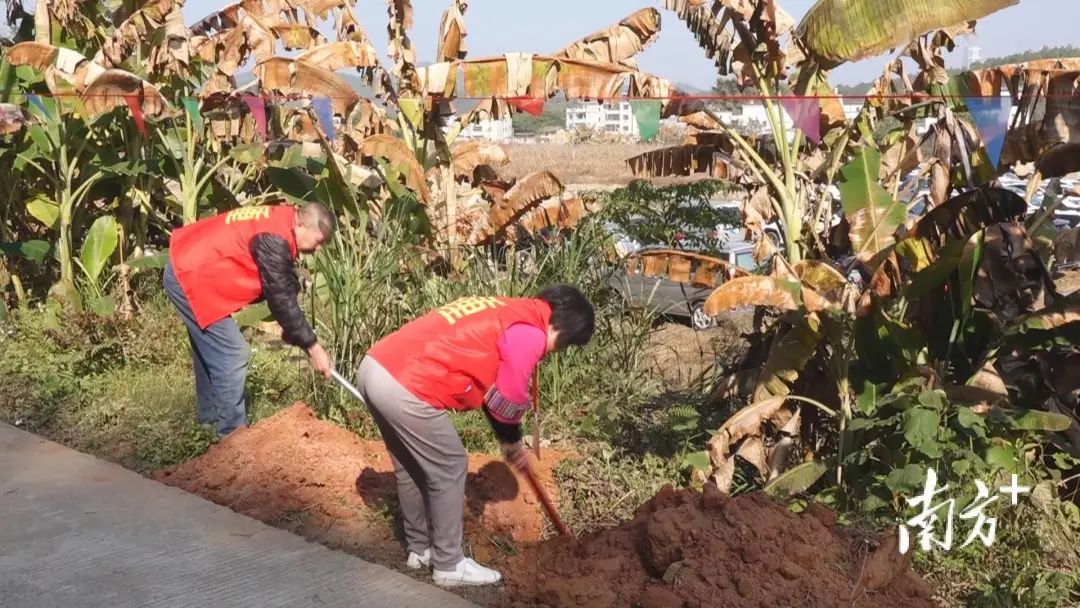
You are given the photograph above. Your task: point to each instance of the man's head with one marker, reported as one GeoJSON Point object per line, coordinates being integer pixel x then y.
{"type": "Point", "coordinates": [315, 224]}
{"type": "Point", "coordinates": [573, 319]}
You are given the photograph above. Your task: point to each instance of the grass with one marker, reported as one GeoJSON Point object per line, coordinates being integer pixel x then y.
{"type": "Point", "coordinates": [123, 391]}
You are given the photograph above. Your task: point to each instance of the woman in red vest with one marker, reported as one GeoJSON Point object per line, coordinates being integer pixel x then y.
{"type": "Point", "coordinates": [475, 353]}
{"type": "Point", "coordinates": [221, 264]}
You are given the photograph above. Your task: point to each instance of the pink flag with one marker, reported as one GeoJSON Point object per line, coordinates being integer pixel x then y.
{"type": "Point", "coordinates": [258, 112]}
{"type": "Point", "coordinates": [135, 105]}
{"type": "Point", "coordinates": [805, 114]}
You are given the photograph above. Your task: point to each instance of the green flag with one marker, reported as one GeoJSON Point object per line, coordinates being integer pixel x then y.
{"type": "Point", "coordinates": [647, 115]}
{"type": "Point", "coordinates": [192, 106]}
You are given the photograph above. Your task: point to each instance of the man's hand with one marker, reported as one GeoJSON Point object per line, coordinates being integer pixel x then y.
{"type": "Point", "coordinates": [320, 359]}
{"type": "Point", "coordinates": [517, 455]}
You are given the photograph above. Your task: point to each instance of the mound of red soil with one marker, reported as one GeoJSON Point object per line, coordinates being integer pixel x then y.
{"type": "Point", "coordinates": [688, 550]}
{"type": "Point", "coordinates": [300, 473]}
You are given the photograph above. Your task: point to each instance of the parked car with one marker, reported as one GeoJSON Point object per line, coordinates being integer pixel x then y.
{"type": "Point", "coordinates": [674, 283]}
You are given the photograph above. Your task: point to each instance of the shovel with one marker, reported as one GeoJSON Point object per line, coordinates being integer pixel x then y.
{"type": "Point", "coordinates": [347, 385]}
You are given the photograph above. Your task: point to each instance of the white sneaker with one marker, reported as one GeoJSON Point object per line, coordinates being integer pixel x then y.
{"type": "Point", "coordinates": [467, 572]}
{"type": "Point", "coordinates": [417, 561]}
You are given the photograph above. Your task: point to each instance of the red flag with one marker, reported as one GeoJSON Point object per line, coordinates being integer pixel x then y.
{"type": "Point", "coordinates": [136, 112]}
{"type": "Point", "coordinates": [258, 112]}
{"type": "Point", "coordinates": [532, 105]}
{"type": "Point", "coordinates": [805, 114]}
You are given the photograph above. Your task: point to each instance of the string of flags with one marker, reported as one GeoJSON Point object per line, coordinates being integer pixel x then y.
{"type": "Point", "coordinates": [991, 115]}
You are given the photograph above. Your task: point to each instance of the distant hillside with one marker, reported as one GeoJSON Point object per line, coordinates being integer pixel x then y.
{"type": "Point", "coordinates": [1050, 52]}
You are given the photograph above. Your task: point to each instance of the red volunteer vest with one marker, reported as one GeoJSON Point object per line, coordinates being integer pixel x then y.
{"type": "Point", "coordinates": [212, 259]}
{"type": "Point", "coordinates": [448, 357]}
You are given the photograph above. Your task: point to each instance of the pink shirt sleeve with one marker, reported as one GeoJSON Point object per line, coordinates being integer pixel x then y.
{"type": "Point", "coordinates": [520, 348]}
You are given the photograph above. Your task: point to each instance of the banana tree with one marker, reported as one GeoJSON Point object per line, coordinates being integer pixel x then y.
{"type": "Point", "coordinates": [61, 152]}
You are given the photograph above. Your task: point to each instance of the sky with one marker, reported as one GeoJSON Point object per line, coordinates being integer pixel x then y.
{"type": "Point", "coordinates": [500, 26]}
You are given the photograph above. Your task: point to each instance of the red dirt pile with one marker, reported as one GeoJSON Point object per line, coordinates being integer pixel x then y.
{"type": "Point", "coordinates": [300, 473]}
{"type": "Point", "coordinates": [686, 549]}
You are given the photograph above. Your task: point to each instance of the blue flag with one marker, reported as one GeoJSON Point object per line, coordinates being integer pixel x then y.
{"type": "Point", "coordinates": [992, 116]}
{"type": "Point", "coordinates": [325, 113]}
{"type": "Point", "coordinates": [34, 99]}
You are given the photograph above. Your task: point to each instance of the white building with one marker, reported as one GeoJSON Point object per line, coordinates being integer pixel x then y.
{"type": "Point", "coordinates": [491, 130]}
{"type": "Point", "coordinates": [608, 117]}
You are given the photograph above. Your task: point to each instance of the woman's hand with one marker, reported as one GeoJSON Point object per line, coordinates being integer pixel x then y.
{"type": "Point", "coordinates": [517, 455]}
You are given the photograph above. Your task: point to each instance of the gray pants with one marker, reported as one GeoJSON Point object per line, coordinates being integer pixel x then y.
{"type": "Point", "coordinates": [430, 463]}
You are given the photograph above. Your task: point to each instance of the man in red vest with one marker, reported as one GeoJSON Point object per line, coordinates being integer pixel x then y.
{"type": "Point", "coordinates": [475, 353]}
{"type": "Point", "coordinates": [219, 265]}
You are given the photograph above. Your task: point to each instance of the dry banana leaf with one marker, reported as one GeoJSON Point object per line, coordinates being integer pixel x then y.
{"type": "Point", "coordinates": [684, 160]}
{"type": "Point", "coordinates": [293, 76]}
{"type": "Point", "coordinates": [398, 154]}
{"type": "Point", "coordinates": [471, 154]}
{"type": "Point", "coordinates": [111, 89]}
{"type": "Point", "coordinates": [452, 33]}
{"type": "Point", "coordinates": [523, 196]}
{"type": "Point", "coordinates": [618, 43]}
{"type": "Point", "coordinates": [747, 422]}
{"type": "Point", "coordinates": [765, 291]}
{"type": "Point", "coordinates": [339, 55]}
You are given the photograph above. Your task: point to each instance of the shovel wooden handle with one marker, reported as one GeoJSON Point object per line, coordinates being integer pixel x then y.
{"type": "Point", "coordinates": [545, 500]}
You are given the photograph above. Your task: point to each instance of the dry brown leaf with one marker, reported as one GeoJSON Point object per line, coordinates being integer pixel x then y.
{"type": "Point", "coordinates": [471, 154]}
{"type": "Point", "coordinates": [294, 76]}
{"type": "Point", "coordinates": [709, 28]}
{"type": "Point", "coordinates": [295, 36]}
{"type": "Point", "coordinates": [339, 55]}
{"type": "Point", "coordinates": [752, 450]}
{"type": "Point", "coordinates": [820, 276]}
{"type": "Point", "coordinates": [764, 291]}
{"type": "Point", "coordinates": [452, 33]}
{"type": "Point", "coordinates": [684, 160]}
{"type": "Point", "coordinates": [399, 46]}
{"type": "Point", "coordinates": [526, 194]}
{"type": "Point", "coordinates": [747, 422]}
{"type": "Point", "coordinates": [109, 90]}
{"type": "Point", "coordinates": [397, 153]}
{"type": "Point", "coordinates": [37, 55]}
{"type": "Point", "coordinates": [618, 43]}
{"type": "Point", "coordinates": [137, 29]}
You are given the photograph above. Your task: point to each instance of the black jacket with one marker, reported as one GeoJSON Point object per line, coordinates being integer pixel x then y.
{"type": "Point", "coordinates": [280, 287]}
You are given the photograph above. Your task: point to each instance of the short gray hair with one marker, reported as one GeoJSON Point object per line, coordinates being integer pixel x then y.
{"type": "Point", "coordinates": [318, 216]}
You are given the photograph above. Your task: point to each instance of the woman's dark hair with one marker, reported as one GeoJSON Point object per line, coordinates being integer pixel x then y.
{"type": "Point", "coordinates": [571, 314]}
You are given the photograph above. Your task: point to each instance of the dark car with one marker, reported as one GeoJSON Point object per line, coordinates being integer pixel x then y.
{"type": "Point", "coordinates": [672, 282]}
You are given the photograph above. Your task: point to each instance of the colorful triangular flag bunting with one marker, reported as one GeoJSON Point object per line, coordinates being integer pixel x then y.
{"type": "Point", "coordinates": [135, 105]}
{"type": "Point", "coordinates": [325, 113]}
{"type": "Point", "coordinates": [991, 116]}
{"type": "Point", "coordinates": [805, 113]}
{"type": "Point", "coordinates": [258, 112]}
{"type": "Point", "coordinates": [191, 105]}
{"type": "Point", "coordinates": [532, 105]}
{"type": "Point", "coordinates": [647, 115]}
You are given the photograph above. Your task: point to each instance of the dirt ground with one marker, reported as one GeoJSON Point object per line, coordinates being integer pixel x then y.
{"type": "Point", "coordinates": [682, 355]}
{"type": "Point", "coordinates": [321, 481]}
{"type": "Point", "coordinates": [683, 549]}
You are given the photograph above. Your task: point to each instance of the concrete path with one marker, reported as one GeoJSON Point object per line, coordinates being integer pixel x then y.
{"type": "Point", "coordinates": [76, 532]}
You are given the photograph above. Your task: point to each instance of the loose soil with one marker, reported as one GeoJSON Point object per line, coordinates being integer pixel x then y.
{"type": "Point", "coordinates": [683, 548]}
{"type": "Point", "coordinates": [688, 549]}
